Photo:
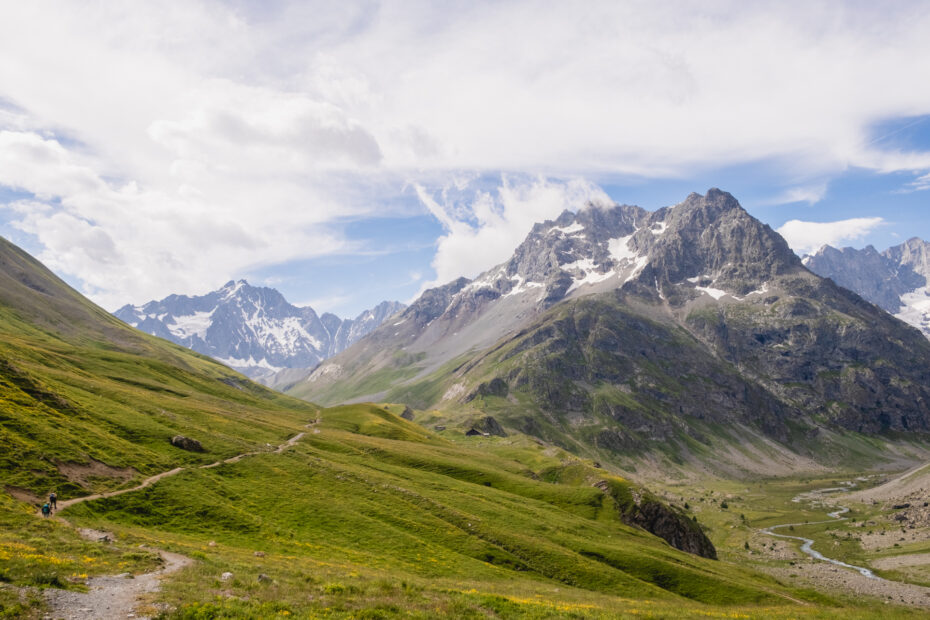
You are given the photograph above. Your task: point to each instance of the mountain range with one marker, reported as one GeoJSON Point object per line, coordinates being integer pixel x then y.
{"type": "Point", "coordinates": [691, 333]}
{"type": "Point", "coordinates": [895, 279]}
{"type": "Point", "coordinates": [163, 445]}
{"type": "Point", "coordinates": [615, 330]}
{"type": "Point", "coordinates": [253, 329]}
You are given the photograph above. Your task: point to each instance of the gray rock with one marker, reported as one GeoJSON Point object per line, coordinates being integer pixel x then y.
{"type": "Point", "coordinates": [888, 279]}
{"type": "Point", "coordinates": [186, 443]}
{"type": "Point", "coordinates": [489, 426]}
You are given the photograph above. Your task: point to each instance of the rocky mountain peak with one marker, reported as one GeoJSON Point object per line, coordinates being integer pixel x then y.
{"type": "Point", "coordinates": [706, 242]}
{"type": "Point", "coordinates": [252, 329]}
{"type": "Point", "coordinates": [914, 253]}
{"type": "Point", "coordinates": [713, 242]}
{"type": "Point", "coordinates": [896, 279]}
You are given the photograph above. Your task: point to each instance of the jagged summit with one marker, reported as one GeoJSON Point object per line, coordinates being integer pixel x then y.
{"type": "Point", "coordinates": [707, 246]}
{"type": "Point", "coordinates": [895, 280]}
{"type": "Point", "coordinates": [252, 329]}
{"type": "Point", "coordinates": [618, 328]}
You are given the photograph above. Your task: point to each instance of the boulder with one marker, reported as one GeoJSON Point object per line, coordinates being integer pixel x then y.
{"type": "Point", "coordinates": [186, 443]}
{"type": "Point", "coordinates": [407, 414]}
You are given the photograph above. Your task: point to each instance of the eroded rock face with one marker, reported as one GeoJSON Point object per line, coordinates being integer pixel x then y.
{"type": "Point", "coordinates": [490, 426]}
{"type": "Point", "coordinates": [641, 508]}
{"type": "Point", "coordinates": [186, 443]}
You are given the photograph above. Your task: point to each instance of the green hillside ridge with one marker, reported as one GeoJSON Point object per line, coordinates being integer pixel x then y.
{"type": "Point", "coordinates": [89, 403]}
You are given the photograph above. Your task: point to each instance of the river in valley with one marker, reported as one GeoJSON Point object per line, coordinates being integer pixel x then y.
{"type": "Point", "coordinates": [807, 543]}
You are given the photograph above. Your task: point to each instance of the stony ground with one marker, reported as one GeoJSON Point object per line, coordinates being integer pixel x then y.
{"type": "Point", "coordinates": [111, 596]}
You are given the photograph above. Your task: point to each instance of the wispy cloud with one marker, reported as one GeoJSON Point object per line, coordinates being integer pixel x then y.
{"type": "Point", "coordinates": [919, 184]}
{"type": "Point", "coordinates": [807, 237]}
{"type": "Point", "coordinates": [484, 230]}
{"type": "Point", "coordinates": [811, 194]}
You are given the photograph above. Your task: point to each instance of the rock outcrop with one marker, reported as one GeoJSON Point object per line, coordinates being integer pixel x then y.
{"type": "Point", "coordinates": [186, 443]}
{"type": "Point", "coordinates": [639, 507]}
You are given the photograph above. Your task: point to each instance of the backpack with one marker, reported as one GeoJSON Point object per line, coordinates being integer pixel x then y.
{"type": "Point", "coordinates": [46, 509]}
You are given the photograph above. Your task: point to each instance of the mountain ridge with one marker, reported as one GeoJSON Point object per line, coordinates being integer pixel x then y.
{"type": "Point", "coordinates": [252, 329]}
{"type": "Point", "coordinates": [895, 279]}
{"type": "Point", "coordinates": [605, 320]}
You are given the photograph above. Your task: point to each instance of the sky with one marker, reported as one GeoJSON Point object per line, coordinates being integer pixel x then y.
{"type": "Point", "coordinates": [347, 153]}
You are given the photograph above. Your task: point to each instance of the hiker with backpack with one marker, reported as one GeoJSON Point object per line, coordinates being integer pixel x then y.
{"type": "Point", "coordinates": [53, 500]}
{"type": "Point", "coordinates": [46, 510]}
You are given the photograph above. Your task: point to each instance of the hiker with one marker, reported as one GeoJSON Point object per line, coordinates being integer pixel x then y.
{"type": "Point", "coordinates": [53, 500]}
{"type": "Point", "coordinates": [46, 510]}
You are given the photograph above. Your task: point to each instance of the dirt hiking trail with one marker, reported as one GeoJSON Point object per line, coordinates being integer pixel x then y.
{"type": "Point", "coordinates": [117, 596]}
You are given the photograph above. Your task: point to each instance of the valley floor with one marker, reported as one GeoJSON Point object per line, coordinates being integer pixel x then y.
{"type": "Point", "coordinates": [887, 529]}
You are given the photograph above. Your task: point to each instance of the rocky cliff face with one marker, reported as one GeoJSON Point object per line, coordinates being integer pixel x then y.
{"type": "Point", "coordinates": [895, 279]}
{"type": "Point", "coordinates": [640, 508]}
{"type": "Point", "coordinates": [252, 329]}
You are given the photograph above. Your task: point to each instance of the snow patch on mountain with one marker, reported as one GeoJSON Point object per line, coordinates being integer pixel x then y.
{"type": "Point", "coordinates": [190, 325]}
{"type": "Point", "coordinates": [716, 293]}
{"type": "Point", "coordinates": [253, 329]}
{"type": "Point", "coordinates": [916, 310]}
{"type": "Point", "coordinates": [620, 249]}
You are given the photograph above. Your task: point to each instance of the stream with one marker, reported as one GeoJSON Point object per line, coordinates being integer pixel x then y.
{"type": "Point", "coordinates": [806, 547]}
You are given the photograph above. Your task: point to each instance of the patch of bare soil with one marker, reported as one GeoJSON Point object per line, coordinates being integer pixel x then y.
{"type": "Point", "coordinates": [83, 473]}
{"type": "Point", "coordinates": [96, 535]}
{"type": "Point", "coordinates": [913, 484]}
{"type": "Point", "coordinates": [823, 576]}
{"type": "Point", "coordinates": [902, 561]}
{"type": "Point", "coordinates": [111, 596]}
{"type": "Point", "coordinates": [23, 495]}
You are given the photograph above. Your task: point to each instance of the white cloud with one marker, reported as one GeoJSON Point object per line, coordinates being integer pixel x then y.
{"type": "Point", "coordinates": [131, 244]}
{"type": "Point", "coordinates": [807, 237]}
{"type": "Point", "coordinates": [485, 231]}
{"type": "Point", "coordinates": [811, 194]}
{"type": "Point", "coordinates": [203, 138]}
{"type": "Point", "coordinates": [919, 184]}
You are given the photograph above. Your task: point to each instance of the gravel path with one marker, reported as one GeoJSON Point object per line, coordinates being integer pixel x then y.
{"type": "Point", "coordinates": [111, 596]}
{"type": "Point", "coordinates": [117, 596]}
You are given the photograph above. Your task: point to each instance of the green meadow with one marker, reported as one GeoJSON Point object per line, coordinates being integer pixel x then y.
{"type": "Point", "coordinates": [373, 517]}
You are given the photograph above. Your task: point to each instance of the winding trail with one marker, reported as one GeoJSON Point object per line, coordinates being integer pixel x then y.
{"type": "Point", "coordinates": [117, 596]}
{"type": "Point", "coordinates": [177, 470]}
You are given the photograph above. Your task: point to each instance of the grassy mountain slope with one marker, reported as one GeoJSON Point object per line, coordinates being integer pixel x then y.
{"type": "Point", "coordinates": [88, 403]}
{"type": "Point", "coordinates": [611, 376]}
{"type": "Point", "coordinates": [372, 517]}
